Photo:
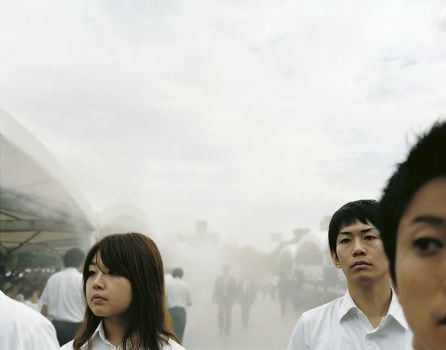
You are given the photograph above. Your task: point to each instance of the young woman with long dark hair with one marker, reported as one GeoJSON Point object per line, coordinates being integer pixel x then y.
{"type": "Point", "coordinates": [123, 281]}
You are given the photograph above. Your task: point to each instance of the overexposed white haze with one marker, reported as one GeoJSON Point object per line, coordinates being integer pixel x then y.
{"type": "Point", "coordinates": [257, 116]}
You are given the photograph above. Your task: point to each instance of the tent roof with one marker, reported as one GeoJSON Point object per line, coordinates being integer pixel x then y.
{"type": "Point", "coordinates": [39, 204]}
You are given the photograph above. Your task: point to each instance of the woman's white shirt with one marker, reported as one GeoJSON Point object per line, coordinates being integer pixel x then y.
{"type": "Point", "coordinates": [99, 342]}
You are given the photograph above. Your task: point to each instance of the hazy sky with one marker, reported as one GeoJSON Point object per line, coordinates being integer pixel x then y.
{"type": "Point", "coordinates": [259, 116]}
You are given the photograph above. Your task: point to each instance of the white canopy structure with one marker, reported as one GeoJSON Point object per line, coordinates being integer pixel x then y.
{"type": "Point", "coordinates": [39, 204]}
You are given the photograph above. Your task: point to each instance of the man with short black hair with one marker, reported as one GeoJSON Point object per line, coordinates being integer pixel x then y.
{"type": "Point", "coordinates": [412, 219]}
{"type": "Point", "coordinates": [368, 315]}
{"type": "Point", "coordinates": [62, 299]}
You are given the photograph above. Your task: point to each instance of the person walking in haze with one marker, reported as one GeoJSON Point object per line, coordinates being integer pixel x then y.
{"type": "Point", "coordinates": [368, 315]}
{"type": "Point", "coordinates": [22, 328]}
{"type": "Point", "coordinates": [225, 293]}
{"type": "Point", "coordinates": [247, 291]}
{"type": "Point", "coordinates": [413, 225]}
{"type": "Point", "coordinates": [123, 283]}
{"type": "Point", "coordinates": [178, 298]}
{"type": "Point", "coordinates": [62, 300]}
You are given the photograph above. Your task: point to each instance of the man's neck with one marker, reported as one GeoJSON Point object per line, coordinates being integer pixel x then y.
{"type": "Point", "coordinates": [373, 299]}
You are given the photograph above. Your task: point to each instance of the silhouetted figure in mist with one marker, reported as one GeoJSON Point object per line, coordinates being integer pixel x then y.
{"type": "Point", "coordinates": [178, 298]}
{"type": "Point", "coordinates": [247, 291]}
{"type": "Point", "coordinates": [296, 289]}
{"type": "Point", "coordinates": [285, 289]}
{"type": "Point", "coordinates": [225, 293]}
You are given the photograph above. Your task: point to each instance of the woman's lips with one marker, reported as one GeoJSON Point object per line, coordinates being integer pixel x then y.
{"type": "Point", "coordinates": [98, 299]}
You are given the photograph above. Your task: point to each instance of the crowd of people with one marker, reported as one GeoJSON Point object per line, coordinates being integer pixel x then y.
{"type": "Point", "coordinates": [391, 251]}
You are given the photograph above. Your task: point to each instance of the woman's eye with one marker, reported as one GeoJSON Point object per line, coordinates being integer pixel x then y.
{"type": "Point", "coordinates": [427, 245]}
{"type": "Point", "coordinates": [91, 273]}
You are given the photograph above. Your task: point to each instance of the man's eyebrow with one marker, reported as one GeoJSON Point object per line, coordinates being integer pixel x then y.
{"type": "Point", "coordinates": [345, 233]}
{"type": "Point", "coordinates": [363, 231]}
{"type": "Point", "coordinates": [429, 219]}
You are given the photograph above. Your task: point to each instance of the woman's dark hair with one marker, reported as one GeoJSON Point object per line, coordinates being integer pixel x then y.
{"type": "Point", "coordinates": [426, 161]}
{"type": "Point", "coordinates": [137, 258]}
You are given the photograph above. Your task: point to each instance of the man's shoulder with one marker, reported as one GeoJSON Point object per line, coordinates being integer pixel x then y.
{"type": "Point", "coordinates": [70, 273]}
{"type": "Point", "coordinates": [22, 318]}
{"type": "Point", "coordinates": [323, 312]}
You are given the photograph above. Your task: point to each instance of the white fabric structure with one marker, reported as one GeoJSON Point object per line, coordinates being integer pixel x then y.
{"type": "Point", "coordinates": [39, 204]}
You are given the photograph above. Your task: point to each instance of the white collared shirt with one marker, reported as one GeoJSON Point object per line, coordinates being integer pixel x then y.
{"type": "Point", "coordinates": [64, 296]}
{"type": "Point", "coordinates": [341, 325]}
{"type": "Point", "coordinates": [99, 342]}
{"type": "Point", "coordinates": [22, 328]}
{"type": "Point", "coordinates": [178, 293]}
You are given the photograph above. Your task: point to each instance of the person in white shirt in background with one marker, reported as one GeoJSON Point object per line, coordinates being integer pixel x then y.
{"type": "Point", "coordinates": [32, 298]}
{"type": "Point", "coordinates": [123, 283]}
{"type": "Point", "coordinates": [178, 298]}
{"type": "Point", "coordinates": [412, 219]}
{"type": "Point", "coordinates": [167, 275]}
{"type": "Point", "coordinates": [22, 328]}
{"type": "Point", "coordinates": [368, 316]}
{"type": "Point", "coordinates": [62, 300]}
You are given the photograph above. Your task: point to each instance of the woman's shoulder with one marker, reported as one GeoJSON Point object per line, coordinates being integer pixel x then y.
{"type": "Point", "coordinates": [67, 346]}
{"type": "Point", "coordinates": [172, 345]}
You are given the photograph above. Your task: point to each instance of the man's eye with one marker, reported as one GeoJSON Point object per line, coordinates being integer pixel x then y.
{"type": "Point", "coordinates": [344, 241]}
{"type": "Point", "coordinates": [370, 237]}
{"type": "Point", "coordinates": [427, 245]}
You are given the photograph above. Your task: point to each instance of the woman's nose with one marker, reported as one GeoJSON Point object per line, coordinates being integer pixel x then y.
{"type": "Point", "coordinates": [97, 281]}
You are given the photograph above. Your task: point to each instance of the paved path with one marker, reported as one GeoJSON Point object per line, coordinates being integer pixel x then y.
{"type": "Point", "coordinates": [267, 329]}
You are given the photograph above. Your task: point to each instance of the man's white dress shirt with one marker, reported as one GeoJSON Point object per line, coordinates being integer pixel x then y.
{"type": "Point", "coordinates": [22, 328]}
{"type": "Point", "coordinates": [64, 296]}
{"type": "Point", "coordinates": [99, 342]}
{"type": "Point", "coordinates": [341, 325]}
{"type": "Point", "coordinates": [178, 293]}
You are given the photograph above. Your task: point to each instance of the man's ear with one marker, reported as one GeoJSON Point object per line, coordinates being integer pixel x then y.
{"type": "Point", "coordinates": [335, 259]}
{"type": "Point", "coordinates": [393, 283]}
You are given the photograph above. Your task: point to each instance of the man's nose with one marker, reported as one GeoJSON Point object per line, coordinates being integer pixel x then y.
{"type": "Point", "coordinates": [358, 247]}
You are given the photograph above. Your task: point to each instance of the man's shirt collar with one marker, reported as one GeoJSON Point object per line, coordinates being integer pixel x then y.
{"type": "Point", "coordinates": [347, 304]}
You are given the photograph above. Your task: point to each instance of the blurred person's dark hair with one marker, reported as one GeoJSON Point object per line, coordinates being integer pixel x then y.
{"type": "Point", "coordinates": [73, 257]}
{"type": "Point", "coordinates": [177, 272]}
{"type": "Point", "coordinates": [426, 160]}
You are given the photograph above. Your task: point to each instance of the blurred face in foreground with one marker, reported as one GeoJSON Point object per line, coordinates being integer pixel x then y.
{"type": "Point", "coordinates": [421, 265]}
